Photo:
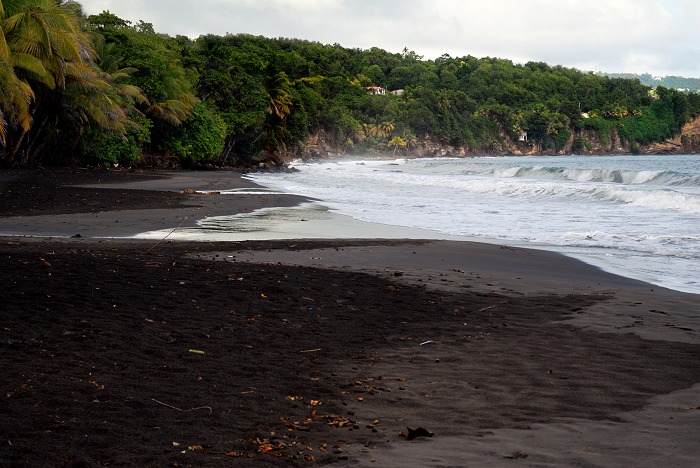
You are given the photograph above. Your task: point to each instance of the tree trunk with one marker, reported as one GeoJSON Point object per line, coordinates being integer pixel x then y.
{"type": "Point", "coordinates": [230, 143]}
{"type": "Point", "coordinates": [36, 141]}
{"type": "Point", "coordinates": [11, 156]}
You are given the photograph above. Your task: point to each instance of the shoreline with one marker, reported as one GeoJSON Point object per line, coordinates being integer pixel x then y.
{"type": "Point", "coordinates": [328, 348]}
{"type": "Point", "coordinates": [231, 207]}
{"type": "Point", "coordinates": [639, 252]}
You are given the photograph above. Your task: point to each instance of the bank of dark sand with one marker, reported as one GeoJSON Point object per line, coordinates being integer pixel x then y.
{"type": "Point", "coordinates": [144, 353]}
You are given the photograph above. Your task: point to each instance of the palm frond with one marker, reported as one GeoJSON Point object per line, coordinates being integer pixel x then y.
{"type": "Point", "coordinates": [15, 96]}
{"type": "Point", "coordinates": [3, 122]}
{"type": "Point", "coordinates": [4, 47]}
{"type": "Point", "coordinates": [133, 92]}
{"type": "Point", "coordinates": [34, 67]}
{"type": "Point", "coordinates": [122, 74]}
{"type": "Point", "coordinates": [172, 111]}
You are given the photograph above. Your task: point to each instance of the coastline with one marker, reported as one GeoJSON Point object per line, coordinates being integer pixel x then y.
{"type": "Point", "coordinates": [497, 350]}
{"type": "Point", "coordinates": [227, 207]}
{"type": "Point", "coordinates": [600, 210]}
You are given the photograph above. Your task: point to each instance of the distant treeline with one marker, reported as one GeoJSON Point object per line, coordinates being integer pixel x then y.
{"type": "Point", "coordinates": [102, 90]}
{"type": "Point", "coordinates": [691, 85]}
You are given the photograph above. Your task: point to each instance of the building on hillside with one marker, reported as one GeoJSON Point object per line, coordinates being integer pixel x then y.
{"type": "Point", "coordinates": [377, 90]}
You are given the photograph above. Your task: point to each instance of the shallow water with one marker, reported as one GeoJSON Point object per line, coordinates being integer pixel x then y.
{"type": "Point", "coordinates": [634, 215]}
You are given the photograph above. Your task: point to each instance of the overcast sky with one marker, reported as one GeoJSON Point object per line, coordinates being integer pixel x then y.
{"type": "Point", "coordinates": [635, 36]}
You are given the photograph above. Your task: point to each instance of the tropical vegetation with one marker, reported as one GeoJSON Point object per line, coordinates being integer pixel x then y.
{"type": "Point", "coordinates": [101, 90]}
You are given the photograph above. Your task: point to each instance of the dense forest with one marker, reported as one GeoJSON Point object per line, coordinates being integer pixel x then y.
{"type": "Point", "coordinates": [101, 90]}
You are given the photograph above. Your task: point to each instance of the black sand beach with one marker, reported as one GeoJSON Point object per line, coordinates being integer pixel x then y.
{"type": "Point", "coordinates": [122, 352]}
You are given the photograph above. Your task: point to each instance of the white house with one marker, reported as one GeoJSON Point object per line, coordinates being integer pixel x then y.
{"type": "Point", "coordinates": [375, 90]}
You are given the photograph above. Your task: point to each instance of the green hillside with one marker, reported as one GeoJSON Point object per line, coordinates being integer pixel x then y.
{"type": "Point", "coordinates": [134, 96]}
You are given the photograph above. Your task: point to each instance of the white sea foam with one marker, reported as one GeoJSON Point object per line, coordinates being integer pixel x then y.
{"type": "Point", "coordinates": [638, 213]}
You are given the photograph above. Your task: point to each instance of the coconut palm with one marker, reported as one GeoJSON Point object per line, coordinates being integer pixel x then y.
{"type": "Point", "coordinates": [15, 94]}
{"type": "Point", "coordinates": [278, 107]}
{"type": "Point", "coordinates": [386, 128]}
{"type": "Point", "coordinates": [15, 97]}
{"type": "Point", "coordinates": [48, 50]}
{"type": "Point", "coordinates": [280, 99]}
{"type": "Point", "coordinates": [108, 61]}
{"type": "Point", "coordinates": [53, 69]}
{"type": "Point", "coordinates": [43, 44]}
{"type": "Point", "coordinates": [176, 101]}
{"type": "Point", "coordinates": [154, 66]}
{"type": "Point", "coordinates": [411, 140]}
{"type": "Point", "coordinates": [397, 142]}
{"type": "Point", "coordinates": [43, 37]}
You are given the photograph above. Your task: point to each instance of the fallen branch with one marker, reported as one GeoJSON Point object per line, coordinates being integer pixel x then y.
{"type": "Point", "coordinates": [183, 410]}
{"type": "Point", "coordinates": [161, 241]}
{"type": "Point", "coordinates": [514, 249]}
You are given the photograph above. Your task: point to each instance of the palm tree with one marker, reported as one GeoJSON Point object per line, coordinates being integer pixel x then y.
{"type": "Point", "coordinates": [43, 37]}
{"type": "Point", "coordinates": [411, 140]}
{"type": "Point", "coordinates": [397, 142]}
{"type": "Point", "coordinates": [15, 94]}
{"type": "Point", "coordinates": [44, 45]}
{"type": "Point", "coordinates": [52, 74]}
{"type": "Point", "coordinates": [108, 62]}
{"type": "Point", "coordinates": [176, 101]}
{"type": "Point", "coordinates": [279, 106]}
{"type": "Point", "coordinates": [15, 97]}
{"type": "Point", "coordinates": [150, 61]}
{"type": "Point", "coordinates": [280, 99]}
{"type": "Point", "coordinates": [386, 129]}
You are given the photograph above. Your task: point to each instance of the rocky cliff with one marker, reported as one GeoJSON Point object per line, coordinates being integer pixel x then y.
{"type": "Point", "coordinates": [322, 145]}
{"type": "Point", "coordinates": [686, 142]}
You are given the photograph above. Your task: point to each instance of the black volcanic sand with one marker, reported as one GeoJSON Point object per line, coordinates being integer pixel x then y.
{"type": "Point", "coordinates": [133, 353]}
{"type": "Point", "coordinates": [58, 191]}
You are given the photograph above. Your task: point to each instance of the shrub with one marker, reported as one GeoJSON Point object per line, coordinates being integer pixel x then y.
{"type": "Point", "coordinates": [104, 148]}
{"type": "Point", "coordinates": [580, 145]}
{"type": "Point", "coordinates": [201, 137]}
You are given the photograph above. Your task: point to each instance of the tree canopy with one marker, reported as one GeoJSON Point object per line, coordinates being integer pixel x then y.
{"type": "Point", "coordinates": [102, 90]}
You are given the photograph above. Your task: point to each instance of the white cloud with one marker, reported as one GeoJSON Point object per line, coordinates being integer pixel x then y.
{"type": "Point", "coordinates": [655, 36]}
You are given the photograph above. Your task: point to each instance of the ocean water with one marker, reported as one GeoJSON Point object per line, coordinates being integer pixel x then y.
{"type": "Point", "coordinates": [638, 216]}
